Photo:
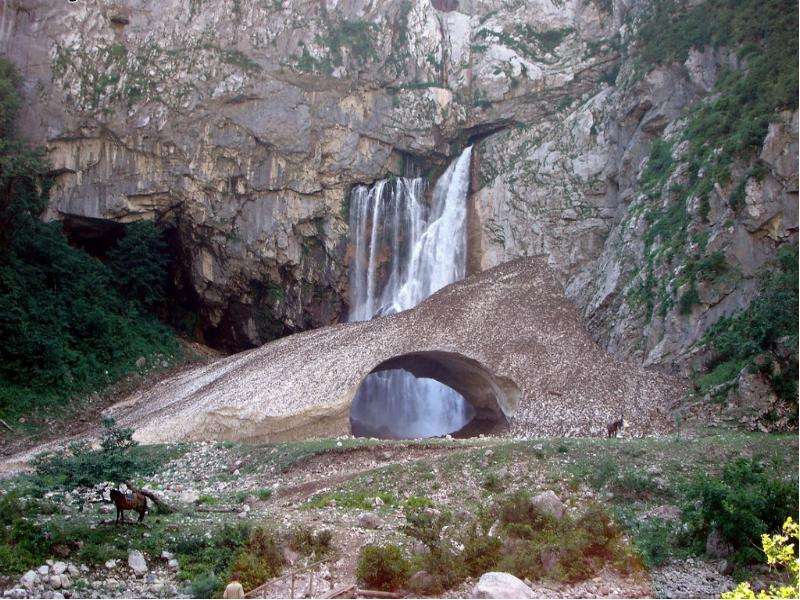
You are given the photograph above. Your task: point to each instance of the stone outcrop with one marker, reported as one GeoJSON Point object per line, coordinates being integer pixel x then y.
{"type": "Point", "coordinates": [243, 125]}
{"type": "Point", "coordinates": [509, 332]}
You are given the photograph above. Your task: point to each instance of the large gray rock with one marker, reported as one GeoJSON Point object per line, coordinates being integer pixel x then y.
{"type": "Point", "coordinates": [136, 562]}
{"type": "Point", "coordinates": [501, 585]}
{"type": "Point", "coordinates": [549, 504]}
{"type": "Point", "coordinates": [29, 579]}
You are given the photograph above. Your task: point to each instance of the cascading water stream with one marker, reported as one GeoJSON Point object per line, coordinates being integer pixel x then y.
{"type": "Point", "coordinates": [404, 251]}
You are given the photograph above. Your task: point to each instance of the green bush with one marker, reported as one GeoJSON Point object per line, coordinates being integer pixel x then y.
{"type": "Point", "coordinates": [23, 543]}
{"type": "Point", "coordinates": [252, 569]}
{"type": "Point", "coordinates": [206, 585]}
{"type": "Point", "coordinates": [119, 458]}
{"type": "Point", "coordinates": [481, 552]}
{"type": "Point", "coordinates": [308, 542]}
{"type": "Point", "coordinates": [70, 324]}
{"type": "Point", "coordinates": [383, 567]}
{"type": "Point", "coordinates": [656, 541]}
{"type": "Point", "coordinates": [567, 549]}
{"type": "Point", "coordinates": [746, 500]}
{"type": "Point", "coordinates": [764, 332]}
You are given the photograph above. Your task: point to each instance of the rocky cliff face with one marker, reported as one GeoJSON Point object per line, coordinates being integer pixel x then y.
{"type": "Point", "coordinates": [243, 125]}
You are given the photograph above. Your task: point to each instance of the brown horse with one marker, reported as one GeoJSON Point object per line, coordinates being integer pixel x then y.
{"type": "Point", "coordinates": [123, 502]}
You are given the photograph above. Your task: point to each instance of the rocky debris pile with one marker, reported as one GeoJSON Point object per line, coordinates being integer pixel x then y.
{"type": "Point", "coordinates": [133, 578]}
{"type": "Point", "coordinates": [480, 335]}
{"type": "Point", "coordinates": [691, 578]}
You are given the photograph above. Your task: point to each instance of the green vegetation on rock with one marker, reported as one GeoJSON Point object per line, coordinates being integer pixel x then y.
{"type": "Point", "coordinates": [70, 324]}
{"type": "Point", "coordinates": [763, 336]}
{"type": "Point", "coordinates": [722, 134]}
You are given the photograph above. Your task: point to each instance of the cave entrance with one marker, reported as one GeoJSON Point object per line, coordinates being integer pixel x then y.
{"type": "Point", "coordinates": [429, 394]}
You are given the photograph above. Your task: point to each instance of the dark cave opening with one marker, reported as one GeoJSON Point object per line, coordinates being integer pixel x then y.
{"type": "Point", "coordinates": [181, 307]}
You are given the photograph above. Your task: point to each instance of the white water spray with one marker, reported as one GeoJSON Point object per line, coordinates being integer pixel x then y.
{"type": "Point", "coordinates": [404, 252]}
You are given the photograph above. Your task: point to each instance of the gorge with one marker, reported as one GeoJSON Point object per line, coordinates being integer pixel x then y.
{"type": "Point", "coordinates": [399, 298]}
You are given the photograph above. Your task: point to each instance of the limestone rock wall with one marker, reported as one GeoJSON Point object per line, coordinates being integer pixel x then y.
{"type": "Point", "coordinates": [570, 186]}
{"type": "Point", "coordinates": [245, 123]}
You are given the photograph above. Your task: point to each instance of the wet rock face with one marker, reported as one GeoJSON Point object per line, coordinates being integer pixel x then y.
{"type": "Point", "coordinates": [245, 124]}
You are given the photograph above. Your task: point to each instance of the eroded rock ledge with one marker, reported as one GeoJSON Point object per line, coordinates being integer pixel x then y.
{"type": "Point", "coordinates": [509, 329]}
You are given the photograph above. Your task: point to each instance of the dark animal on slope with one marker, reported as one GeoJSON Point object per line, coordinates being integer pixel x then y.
{"type": "Point", "coordinates": [123, 502]}
{"type": "Point", "coordinates": [616, 427]}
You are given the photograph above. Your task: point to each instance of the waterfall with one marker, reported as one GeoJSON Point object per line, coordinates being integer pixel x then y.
{"type": "Point", "coordinates": [404, 251]}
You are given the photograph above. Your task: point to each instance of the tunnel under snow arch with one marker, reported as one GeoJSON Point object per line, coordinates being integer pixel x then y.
{"type": "Point", "coordinates": [457, 395]}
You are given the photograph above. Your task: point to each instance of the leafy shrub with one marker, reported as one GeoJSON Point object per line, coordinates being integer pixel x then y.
{"type": "Point", "coordinates": [481, 552]}
{"type": "Point", "coordinates": [566, 549]}
{"type": "Point", "coordinates": [743, 502]}
{"type": "Point", "coordinates": [425, 524]}
{"type": "Point", "coordinates": [23, 543]}
{"type": "Point", "coordinates": [631, 484]}
{"type": "Point", "coordinates": [139, 263]}
{"type": "Point", "coordinates": [656, 541]}
{"type": "Point", "coordinates": [203, 558]}
{"type": "Point", "coordinates": [260, 558]}
{"type": "Point", "coordinates": [119, 458]}
{"type": "Point", "coordinates": [305, 541]}
{"type": "Point", "coordinates": [781, 551]}
{"type": "Point", "coordinates": [518, 513]}
{"type": "Point", "coordinates": [205, 585]}
{"type": "Point", "coordinates": [768, 322]}
{"type": "Point", "coordinates": [492, 483]}
{"type": "Point", "coordinates": [383, 567]}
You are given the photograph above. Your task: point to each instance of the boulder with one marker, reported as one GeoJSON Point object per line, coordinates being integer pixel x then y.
{"type": "Point", "coordinates": [29, 579]}
{"type": "Point", "coordinates": [549, 504]}
{"type": "Point", "coordinates": [422, 582]}
{"type": "Point", "coordinates": [370, 521]}
{"type": "Point", "coordinates": [137, 562]}
{"type": "Point", "coordinates": [59, 568]}
{"type": "Point", "coordinates": [501, 585]}
{"type": "Point", "coordinates": [716, 547]}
